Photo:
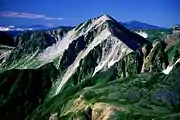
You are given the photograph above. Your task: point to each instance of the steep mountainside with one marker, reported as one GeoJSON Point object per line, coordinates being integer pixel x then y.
{"type": "Point", "coordinates": [97, 70]}
{"type": "Point", "coordinates": [23, 90]}
{"type": "Point", "coordinates": [29, 44]}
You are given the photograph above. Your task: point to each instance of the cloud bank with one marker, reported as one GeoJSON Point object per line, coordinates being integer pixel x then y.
{"type": "Point", "coordinates": [11, 14]}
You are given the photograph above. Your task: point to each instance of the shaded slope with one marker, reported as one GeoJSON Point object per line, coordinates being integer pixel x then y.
{"type": "Point", "coordinates": [22, 91]}
{"type": "Point", "coordinates": [6, 39]}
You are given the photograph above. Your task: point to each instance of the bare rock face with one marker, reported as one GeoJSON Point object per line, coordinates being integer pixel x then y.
{"type": "Point", "coordinates": [105, 111]}
{"type": "Point", "coordinates": [176, 29]}
{"type": "Point", "coordinates": [53, 116]}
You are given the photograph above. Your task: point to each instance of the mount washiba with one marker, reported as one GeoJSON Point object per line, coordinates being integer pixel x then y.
{"type": "Point", "coordinates": [98, 70]}
{"type": "Point", "coordinates": [136, 25]}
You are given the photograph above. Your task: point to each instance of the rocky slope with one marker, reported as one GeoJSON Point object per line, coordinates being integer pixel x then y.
{"type": "Point", "coordinates": [97, 70]}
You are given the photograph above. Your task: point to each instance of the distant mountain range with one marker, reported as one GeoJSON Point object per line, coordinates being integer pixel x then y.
{"type": "Point", "coordinates": [24, 27]}
{"type": "Point", "coordinates": [15, 30]}
{"type": "Point", "coordinates": [136, 25]}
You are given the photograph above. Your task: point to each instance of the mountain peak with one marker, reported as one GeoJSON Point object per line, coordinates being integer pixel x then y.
{"type": "Point", "coordinates": [101, 19]}
{"type": "Point", "coordinates": [92, 24]}
{"type": "Point", "coordinates": [105, 16]}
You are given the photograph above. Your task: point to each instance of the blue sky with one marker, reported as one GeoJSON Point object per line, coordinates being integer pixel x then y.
{"type": "Point", "coordinates": [164, 13]}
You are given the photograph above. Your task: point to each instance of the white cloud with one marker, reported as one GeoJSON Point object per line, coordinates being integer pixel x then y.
{"type": "Point", "coordinates": [52, 18]}
{"type": "Point", "coordinates": [27, 15]}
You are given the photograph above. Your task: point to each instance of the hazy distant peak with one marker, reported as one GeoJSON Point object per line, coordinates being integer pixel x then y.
{"type": "Point", "coordinates": [135, 25]}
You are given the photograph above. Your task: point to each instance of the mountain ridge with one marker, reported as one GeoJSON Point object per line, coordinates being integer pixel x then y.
{"type": "Point", "coordinates": [136, 25]}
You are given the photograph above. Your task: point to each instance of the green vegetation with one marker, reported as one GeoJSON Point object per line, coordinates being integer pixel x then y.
{"type": "Point", "coordinates": [157, 35]}
{"type": "Point", "coordinates": [23, 90]}
{"type": "Point", "coordinates": [145, 96]}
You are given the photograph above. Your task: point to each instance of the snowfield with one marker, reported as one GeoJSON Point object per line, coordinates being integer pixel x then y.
{"type": "Point", "coordinates": [169, 68]}
{"type": "Point", "coordinates": [142, 33]}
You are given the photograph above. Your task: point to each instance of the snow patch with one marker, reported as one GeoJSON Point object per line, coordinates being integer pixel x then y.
{"type": "Point", "coordinates": [169, 68]}
{"type": "Point", "coordinates": [142, 33]}
{"type": "Point", "coordinates": [5, 29]}
{"type": "Point", "coordinates": [4, 56]}
{"type": "Point", "coordinates": [13, 28]}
